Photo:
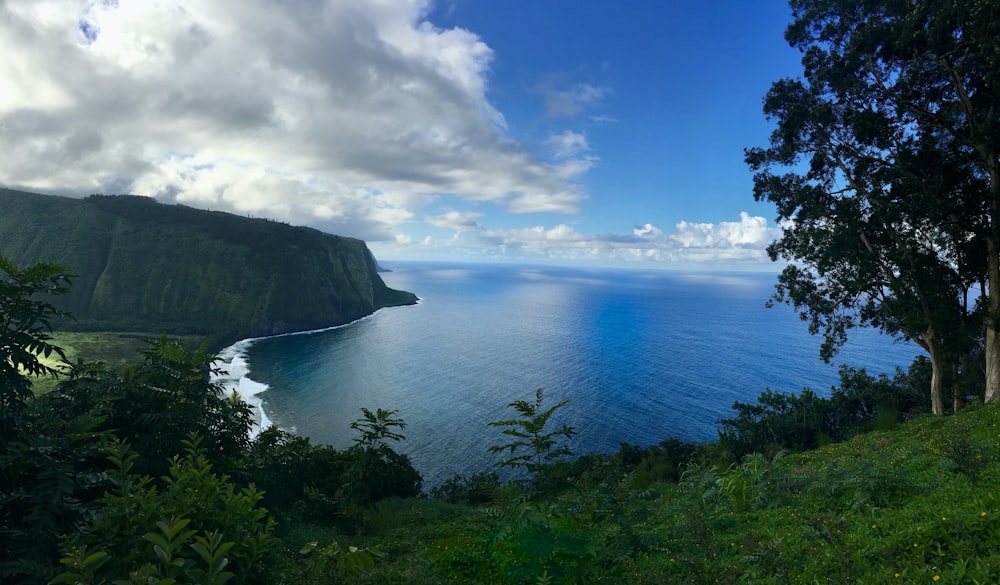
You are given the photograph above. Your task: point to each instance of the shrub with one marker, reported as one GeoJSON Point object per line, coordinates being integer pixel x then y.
{"type": "Point", "coordinates": [376, 471]}
{"type": "Point", "coordinates": [532, 447]}
{"type": "Point", "coordinates": [804, 421]}
{"type": "Point", "coordinates": [179, 532]}
{"type": "Point", "coordinates": [474, 489]}
{"type": "Point", "coordinates": [155, 404]}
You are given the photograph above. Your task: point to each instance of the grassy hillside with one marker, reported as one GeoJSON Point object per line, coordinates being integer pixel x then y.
{"type": "Point", "coordinates": [920, 504]}
{"type": "Point", "coordinates": [145, 266]}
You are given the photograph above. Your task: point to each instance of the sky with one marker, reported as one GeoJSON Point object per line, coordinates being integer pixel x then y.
{"type": "Point", "coordinates": [542, 131]}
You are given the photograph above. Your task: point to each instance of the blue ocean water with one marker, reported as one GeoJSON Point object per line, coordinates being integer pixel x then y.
{"type": "Point", "coordinates": [641, 355]}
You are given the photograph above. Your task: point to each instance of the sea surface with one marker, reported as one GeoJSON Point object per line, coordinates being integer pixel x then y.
{"type": "Point", "coordinates": [640, 355]}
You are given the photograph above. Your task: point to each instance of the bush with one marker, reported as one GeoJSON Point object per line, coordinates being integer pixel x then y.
{"type": "Point", "coordinates": [804, 421]}
{"type": "Point", "coordinates": [155, 404]}
{"type": "Point", "coordinates": [376, 471]}
{"type": "Point", "coordinates": [178, 532]}
{"type": "Point", "coordinates": [320, 484]}
{"type": "Point", "coordinates": [665, 461]}
{"type": "Point", "coordinates": [474, 489]}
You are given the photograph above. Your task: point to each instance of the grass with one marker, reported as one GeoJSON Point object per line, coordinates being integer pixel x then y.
{"type": "Point", "coordinates": [112, 347]}
{"type": "Point", "coordinates": [918, 504]}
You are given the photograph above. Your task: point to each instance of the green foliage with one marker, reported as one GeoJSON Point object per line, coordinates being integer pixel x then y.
{"type": "Point", "coordinates": [300, 481]}
{"type": "Point", "coordinates": [665, 461]}
{"type": "Point", "coordinates": [196, 526]}
{"type": "Point", "coordinates": [81, 567]}
{"type": "Point", "coordinates": [531, 446]}
{"type": "Point", "coordinates": [44, 478]}
{"type": "Point", "coordinates": [333, 563]}
{"type": "Point", "coordinates": [51, 478]}
{"type": "Point", "coordinates": [799, 422]}
{"type": "Point", "coordinates": [478, 488]}
{"type": "Point", "coordinates": [321, 485]}
{"type": "Point", "coordinates": [846, 512]}
{"type": "Point", "coordinates": [888, 172]}
{"type": "Point", "coordinates": [25, 333]}
{"type": "Point", "coordinates": [376, 427]}
{"type": "Point", "coordinates": [156, 404]}
{"type": "Point", "coordinates": [116, 349]}
{"type": "Point", "coordinates": [377, 471]}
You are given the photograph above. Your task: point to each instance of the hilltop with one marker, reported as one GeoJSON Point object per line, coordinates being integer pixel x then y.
{"type": "Point", "coordinates": [146, 266]}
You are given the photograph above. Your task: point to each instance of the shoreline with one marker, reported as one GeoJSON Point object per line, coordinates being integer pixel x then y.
{"type": "Point", "coordinates": [234, 371]}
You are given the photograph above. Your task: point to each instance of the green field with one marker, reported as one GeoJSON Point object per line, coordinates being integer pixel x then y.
{"type": "Point", "coordinates": [115, 348]}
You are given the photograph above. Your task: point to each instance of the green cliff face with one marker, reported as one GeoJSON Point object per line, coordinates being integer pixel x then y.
{"type": "Point", "coordinates": [145, 266]}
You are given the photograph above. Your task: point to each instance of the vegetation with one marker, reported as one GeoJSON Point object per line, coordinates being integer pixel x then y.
{"type": "Point", "coordinates": [116, 349]}
{"type": "Point", "coordinates": [885, 165]}
{"type": "Point", "coordinates": [531, 447]}
{"type": "Point", "coordinates": [145, 266]}
{"type": "Point", "coordinates": [145, 472]}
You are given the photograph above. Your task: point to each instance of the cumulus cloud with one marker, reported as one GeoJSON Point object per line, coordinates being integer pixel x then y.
{"type": "Point", "coordinates": [749, 232]}
{"type": "Point", "coordinates": [746, 239]}
{"type": "Point", "coordinates": [456, 220]}
{"type": "Point", "coordinates": [741, 242]}
{"type": "Point", "coordinates": [345, 115]}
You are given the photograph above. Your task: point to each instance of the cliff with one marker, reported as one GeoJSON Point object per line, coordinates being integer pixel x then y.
{"type": "Point", "coordinates": [145, 266]}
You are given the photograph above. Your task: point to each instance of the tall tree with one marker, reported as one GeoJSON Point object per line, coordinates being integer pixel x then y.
{"type": "Point", "coordinates": [884, 167]}
{"type": "Point", "coordinates": [25, 333]}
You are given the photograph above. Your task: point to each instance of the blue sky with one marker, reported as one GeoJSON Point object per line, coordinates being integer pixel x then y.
{"type": "Point", "coordinates": [537, 131]}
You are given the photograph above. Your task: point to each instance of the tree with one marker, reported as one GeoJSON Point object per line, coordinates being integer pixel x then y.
{"type": "Point", "coordinates": [156, 403]}
{"type": "Point", "coordinates": [377, 471]}
{"type": "Point", "coordinates": [196, 527]}
{"type": "Point", "coordinates": [375, 428]}
{"type": "Point", "coordinates": [532, 447]}
{"type": "Point", "coordinates": [25, 332]}
{"type": "Point", "coordinates": [889, 187]}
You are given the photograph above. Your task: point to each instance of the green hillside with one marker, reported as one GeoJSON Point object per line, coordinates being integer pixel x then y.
{"type": "Point", "coordinates": [919, 504]}
{"type": "Point", "coordinates": [146, 473]}
{"type": "Point", "coordinates": [146, 266]}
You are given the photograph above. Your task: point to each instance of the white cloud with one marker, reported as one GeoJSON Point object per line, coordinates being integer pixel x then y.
{"type": "Point", "coordinates": [603, 119]}
{"type": "Point", "coordinates": [742, 243]}
{"type": "Point", "coordinates": [568, 144]}
{"type": "Point", "coordinates": [749, 232]}
{"type": "Point", "coordinates": [348, 115]}
{"type": "Point", "coordinates": [456, 220]}
{"type": "Point", "coordinates": [568, 102]}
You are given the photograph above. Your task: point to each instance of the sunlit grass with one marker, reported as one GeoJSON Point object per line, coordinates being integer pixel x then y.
{"type": "Point", "coordinates": [115, 348]}
{"type": "Point", "coordinates": [920, 503]}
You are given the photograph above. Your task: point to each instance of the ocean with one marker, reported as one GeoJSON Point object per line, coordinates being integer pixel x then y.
{"type": "Point", "coordinates": [642, 355]}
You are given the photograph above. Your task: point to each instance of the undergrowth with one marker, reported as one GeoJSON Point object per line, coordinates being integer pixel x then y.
{"type": "Point", "coordinates": [920, 503]}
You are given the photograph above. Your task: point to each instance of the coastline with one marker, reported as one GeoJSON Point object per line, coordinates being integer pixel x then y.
{"type": "Point", "coordinates": [234, 371]}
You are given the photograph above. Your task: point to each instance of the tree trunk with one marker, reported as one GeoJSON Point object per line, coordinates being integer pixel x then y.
{"type": "Point", "coordinates": [992, 331]}
{"type": "Point", "coordinates": [957, 400]}
{"type": "Point", "coordinates": [937, 375]}
{"type": "Point", "coordinates": [992, 393]}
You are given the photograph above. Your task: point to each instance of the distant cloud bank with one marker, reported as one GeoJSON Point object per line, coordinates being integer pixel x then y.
{"type": "Point", "coordinates": [736, 242]}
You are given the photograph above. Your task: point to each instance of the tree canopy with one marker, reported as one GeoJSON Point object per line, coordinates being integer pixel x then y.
{"type": "Point", "coordinates": [884, 170]}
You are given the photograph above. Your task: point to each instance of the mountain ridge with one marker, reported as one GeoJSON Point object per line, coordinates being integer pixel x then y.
{"type": "Point", "coordinates": [141, 265]}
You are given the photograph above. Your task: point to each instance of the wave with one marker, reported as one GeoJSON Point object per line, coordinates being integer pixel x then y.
{"type": "Point", "coordinates": [233, 372]}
